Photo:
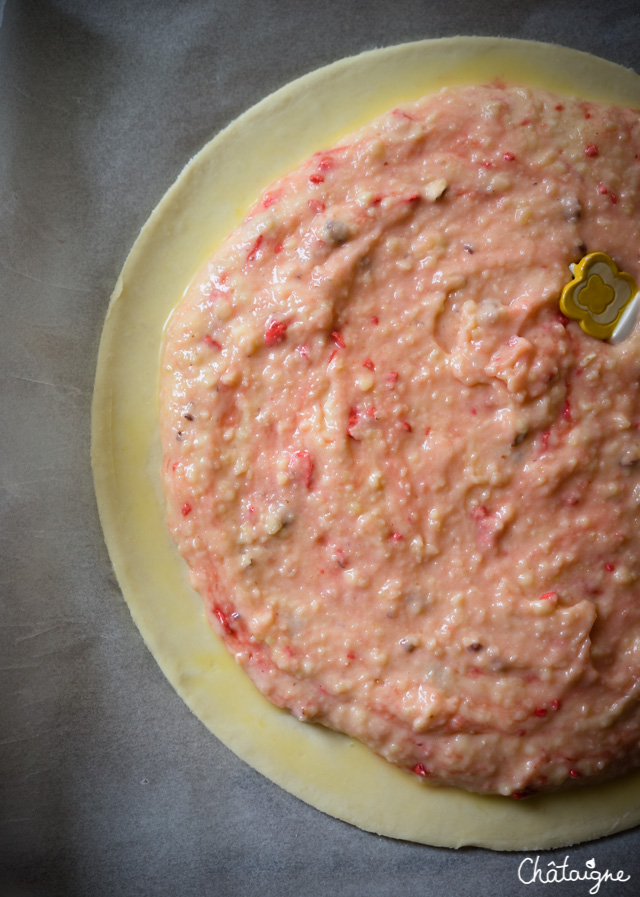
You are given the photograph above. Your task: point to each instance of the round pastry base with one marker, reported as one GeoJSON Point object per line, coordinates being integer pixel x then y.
{"type": "Point", "coordinates": [323, 768]}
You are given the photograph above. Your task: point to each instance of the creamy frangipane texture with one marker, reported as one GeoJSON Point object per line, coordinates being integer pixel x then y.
{"type": "Point", "coordinates": [406, 487]}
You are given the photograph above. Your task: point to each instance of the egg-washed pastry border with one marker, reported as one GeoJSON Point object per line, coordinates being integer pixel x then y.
{"type": "Point", "coordinates": [327, 770]}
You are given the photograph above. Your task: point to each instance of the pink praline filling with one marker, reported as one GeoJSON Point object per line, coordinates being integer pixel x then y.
{"type": "Point", "coordinates": [413, 487]}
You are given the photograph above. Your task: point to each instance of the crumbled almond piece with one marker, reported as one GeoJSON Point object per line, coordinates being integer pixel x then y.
{"type": "Point", "coordinates": [435, 189]}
